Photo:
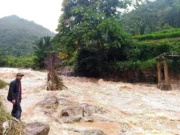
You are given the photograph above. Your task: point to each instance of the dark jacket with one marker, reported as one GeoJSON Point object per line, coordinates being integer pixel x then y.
{"type": "Point", "coordinates": [14, 91]}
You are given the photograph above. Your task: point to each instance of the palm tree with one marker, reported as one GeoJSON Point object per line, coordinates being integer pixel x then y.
{"type": "Point", "coordinates": [42, 48]}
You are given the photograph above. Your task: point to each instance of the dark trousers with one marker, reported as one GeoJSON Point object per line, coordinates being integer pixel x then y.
{"type": "Point", "coordinates": [16, 111]}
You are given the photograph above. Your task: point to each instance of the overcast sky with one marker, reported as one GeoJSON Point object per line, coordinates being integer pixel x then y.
{"type": "Point", "coordinates": [43, 12]}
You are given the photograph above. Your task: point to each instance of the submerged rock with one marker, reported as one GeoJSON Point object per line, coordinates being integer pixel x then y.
{"type": "Point", "coordinates": [49, 104]}
{"type": "Point", "coordinates": [81, 112]}
{"type": "Point", "coordinates": [94, 109]}
{"type": "Point", "coordinates": [71, 114]}
{"type": "Point", "coordinates": [93, 132]}
{"type": "Point", "coordinates": [75, 114]}
{"type": "Point", "coordinates": [65, 102]}
{"type": "Point", "coordinates": [48, 101]}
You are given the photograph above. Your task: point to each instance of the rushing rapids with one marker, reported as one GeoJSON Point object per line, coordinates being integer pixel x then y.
{"type": "Point", "coordinates": [129, 109]}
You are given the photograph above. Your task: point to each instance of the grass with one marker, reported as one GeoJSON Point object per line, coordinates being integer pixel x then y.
{"type": "Point", "coordinates": [16, 127]}
{"type": "Point", "coordinates": [3, 84]}
{"type": "Point", "coordinates": [4, 116]}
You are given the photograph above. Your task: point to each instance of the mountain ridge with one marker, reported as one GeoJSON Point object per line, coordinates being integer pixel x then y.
{"type": "Point", "coordinates": [17, 35]}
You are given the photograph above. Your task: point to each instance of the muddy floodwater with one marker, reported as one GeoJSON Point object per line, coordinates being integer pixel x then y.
{"type": "Point", "coordinates": [130, 109]}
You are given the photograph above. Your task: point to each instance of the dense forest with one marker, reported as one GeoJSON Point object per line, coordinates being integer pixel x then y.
{"type": "Point", "coordinates": [113, 39]}
{"type": "Point", "coordinates": [17, 35]}
{"type": "Point", "coordinates": [151, 16]}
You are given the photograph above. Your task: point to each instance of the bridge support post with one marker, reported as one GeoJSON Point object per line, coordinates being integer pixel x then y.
{"type": "Point", "coordinates": [166, 85]}
{"type": "Point", "coordinates": [166, 72]}
{"type": "Point", "coordinates": [159, 73]}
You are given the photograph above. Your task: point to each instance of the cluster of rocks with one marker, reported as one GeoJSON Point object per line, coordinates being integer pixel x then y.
{"type": "Point", "coordinates": [65, 111]}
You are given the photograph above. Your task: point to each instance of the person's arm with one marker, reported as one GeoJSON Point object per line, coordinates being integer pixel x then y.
{"type": "Point", "coordinates": [12, 90]}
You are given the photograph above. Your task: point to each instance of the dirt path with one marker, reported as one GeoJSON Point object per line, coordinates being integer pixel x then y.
{"type": "Point", "coordinates": [132, 109]}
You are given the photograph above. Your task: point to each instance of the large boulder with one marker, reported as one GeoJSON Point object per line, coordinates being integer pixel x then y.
{"type": "Point", "coordinates": [37, 128]}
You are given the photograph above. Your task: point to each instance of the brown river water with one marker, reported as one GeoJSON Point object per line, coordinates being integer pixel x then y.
{"type": "Point", "coordinates": [131, 109]}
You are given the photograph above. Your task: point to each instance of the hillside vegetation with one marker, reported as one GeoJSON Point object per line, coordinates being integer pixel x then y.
{"type": "Point", "coordinates": [165, 34]}
{"type": "Point", "coordinates": [151, 16]}
{"type": "Point", "coordinates": [17, 35]}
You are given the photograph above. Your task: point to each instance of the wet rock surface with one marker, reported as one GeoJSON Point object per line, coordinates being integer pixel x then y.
{"type": "Point", "coordinates": [36, 128]}
{"type": "Point", "coordinates": [75, 114]}
{"type": "Point", "coordinates": [93, 132]}
{"type": "Point", "coordinates": [65, 102]}
{"type": "Point", "coordinates": [48, 101]}
{"type": "Point", "coordinates": [69, 112]}
{"type": "Point", "coordinates": [49, 104]}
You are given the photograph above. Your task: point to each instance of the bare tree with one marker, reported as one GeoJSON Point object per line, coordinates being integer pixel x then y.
{"type": "Point", "coordinates": [54, 82]}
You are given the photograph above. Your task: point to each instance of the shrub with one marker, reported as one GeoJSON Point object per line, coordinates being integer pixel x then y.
{"type": "Point", "coordinates": [2, 84]}
{"type": "Point", "coordinates": [16, 127]}
{"type": "Point", "coordinates": [133, 65]}
{"type": "Point", "coordinates": [147, 50]}
{"type": "Point", "coordinates": [172, 33]}
{"type": "Point", "coordinates": [24, 62]}
{"type": "Point", "coordinates": [2, 59]}
{"type": "Point", "coordinates": [4, 116]}
{"type": "Point", "coordinates": [69, 62]}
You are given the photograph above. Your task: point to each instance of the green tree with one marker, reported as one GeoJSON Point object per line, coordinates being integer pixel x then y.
{"type": "Point", "coordinates": [94, 26]}
{"type": "Point", "coordinates": [152, 16]}
{"type": "Point", "coordinates": [3, 59]}
{"type": "Point", "coordinates": [43, 46]}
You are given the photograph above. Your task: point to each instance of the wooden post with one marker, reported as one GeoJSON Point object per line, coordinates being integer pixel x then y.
{"type": "Point", "coordinates": [159, 73]}
{"type": "Point", "coordinates": [166, 72]}
{"type": "Point", "coordinates": [166, 85]}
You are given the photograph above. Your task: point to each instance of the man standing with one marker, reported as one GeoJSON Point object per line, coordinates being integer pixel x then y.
{"type": "Point", "coordinates": [15, 96]}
